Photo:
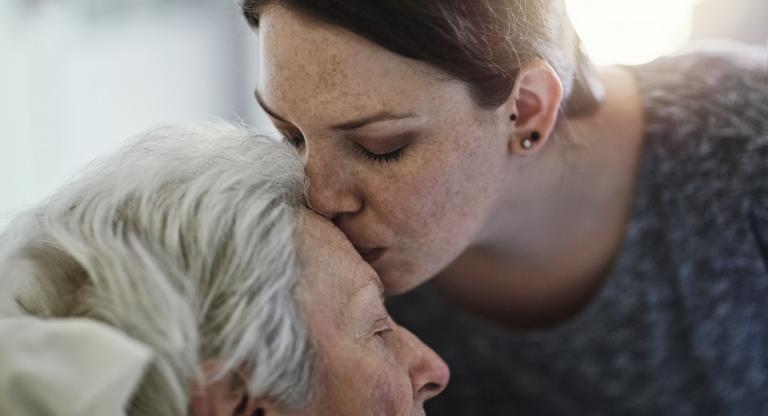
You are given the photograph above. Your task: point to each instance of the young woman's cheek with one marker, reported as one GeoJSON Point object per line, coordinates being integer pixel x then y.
{"type": "Point", "coordinates": [428, 191]}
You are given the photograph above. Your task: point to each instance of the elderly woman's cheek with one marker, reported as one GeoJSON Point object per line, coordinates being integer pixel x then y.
{"type": "Point", "coordinates": [392, 396]}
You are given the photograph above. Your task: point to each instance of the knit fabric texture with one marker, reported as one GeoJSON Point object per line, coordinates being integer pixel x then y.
{"type": "Point", "coordinates": [680, 326]}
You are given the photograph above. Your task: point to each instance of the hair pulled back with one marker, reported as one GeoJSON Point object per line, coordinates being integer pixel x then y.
{"type": "Point", "coordinates": [483, 43]}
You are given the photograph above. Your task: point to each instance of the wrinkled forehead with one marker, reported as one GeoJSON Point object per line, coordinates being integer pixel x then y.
{"type": "Point", "coordinates": [319, 239]}
{"type": "Point", "coordinates": [328, 259]}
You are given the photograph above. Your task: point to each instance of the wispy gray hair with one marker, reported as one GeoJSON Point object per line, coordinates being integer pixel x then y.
{"type": "Point", "coordinates": [185, 241]}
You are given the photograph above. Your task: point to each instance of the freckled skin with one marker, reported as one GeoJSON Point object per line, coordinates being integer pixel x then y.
{"type": "Point", "coordinates": [357, 372]}
{"type": "Point", "coordinates": [425, 208]}
{"type": "Point", "coordinates": [522, 235]}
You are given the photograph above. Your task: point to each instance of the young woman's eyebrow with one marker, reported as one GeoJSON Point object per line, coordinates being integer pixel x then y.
{"type": "Point", "coordinates": [344, 126]}
{"type": "Point", "coordinates": [374, 118]}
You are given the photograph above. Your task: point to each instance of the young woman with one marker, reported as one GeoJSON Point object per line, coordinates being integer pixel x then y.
{"type": "Point", "coordinates": [609, 224]}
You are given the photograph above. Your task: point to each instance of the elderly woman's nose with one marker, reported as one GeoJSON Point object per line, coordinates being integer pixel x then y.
{"type": "Point", "coordinates": [429, 373]}
{"type": "Point", "coordinates": [331, 191]}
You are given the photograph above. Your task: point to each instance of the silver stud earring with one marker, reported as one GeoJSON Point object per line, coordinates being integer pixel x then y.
{"type": "Point", "coordinates": [527, 144]}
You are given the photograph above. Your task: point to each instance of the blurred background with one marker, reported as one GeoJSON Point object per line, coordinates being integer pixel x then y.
{"type": "Point", "coordinates": [77, 77]}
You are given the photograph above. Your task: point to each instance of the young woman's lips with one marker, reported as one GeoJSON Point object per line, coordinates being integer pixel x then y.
{"type": "Point", "coordinates": [371, 255]}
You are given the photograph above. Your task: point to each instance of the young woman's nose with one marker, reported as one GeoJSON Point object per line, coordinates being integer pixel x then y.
{"type": "Point", "coordinates": [429, 373]}
{"type": "Point", "coordinates": [331, 191]}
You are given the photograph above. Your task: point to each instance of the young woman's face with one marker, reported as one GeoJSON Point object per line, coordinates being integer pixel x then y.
{"type": "Point", "coordinates": [398, 155]}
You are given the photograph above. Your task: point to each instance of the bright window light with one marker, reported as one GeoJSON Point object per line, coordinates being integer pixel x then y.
{"type": "Point", "coordinates": [631, 31]}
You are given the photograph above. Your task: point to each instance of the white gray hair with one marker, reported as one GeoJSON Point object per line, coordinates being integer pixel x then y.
{"type": "Point", "coordinates": [185, 241]}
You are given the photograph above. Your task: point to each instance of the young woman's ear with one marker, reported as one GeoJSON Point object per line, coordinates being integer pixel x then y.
{"type": "Point", "coordinates": [533, 107]}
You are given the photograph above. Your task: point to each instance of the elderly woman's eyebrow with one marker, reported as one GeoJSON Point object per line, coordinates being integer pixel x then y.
{"type": "Point", "coordinates": [367, 280]}
{"type": "Point", "coordinates": [374, 279]}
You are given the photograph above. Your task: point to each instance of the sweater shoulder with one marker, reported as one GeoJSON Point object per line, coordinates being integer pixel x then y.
{"type": "Point", "coordinates": [706, 116]}
{"type": "Point", "coordinates": [710, 90]}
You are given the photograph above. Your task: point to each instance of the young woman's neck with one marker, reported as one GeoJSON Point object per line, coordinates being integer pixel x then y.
{"type": "Point", "coordinates": [556, 231]}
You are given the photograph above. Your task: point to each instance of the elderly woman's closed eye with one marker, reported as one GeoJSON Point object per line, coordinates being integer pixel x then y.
{"type": "Point", "coordinates": [195, 242]}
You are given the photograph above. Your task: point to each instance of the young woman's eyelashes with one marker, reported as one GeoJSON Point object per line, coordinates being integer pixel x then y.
{"type": "Point", "coordinates": [297, 140]}
{"type": "Point", "coordinates": [381, 158]}
{"type": "Point", "coordinates": [384, 150]}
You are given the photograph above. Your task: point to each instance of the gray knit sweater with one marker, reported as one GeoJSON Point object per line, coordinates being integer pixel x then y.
{"type": "Point", "coordinates": [681, 324]}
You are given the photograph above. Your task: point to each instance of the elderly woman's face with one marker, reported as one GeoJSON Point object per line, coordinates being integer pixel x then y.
{"type": "Point", "coordinates": [366, 364]}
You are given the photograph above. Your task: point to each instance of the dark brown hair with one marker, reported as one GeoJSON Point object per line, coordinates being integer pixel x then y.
{"type": "Point", "coordinates": [480, 42]}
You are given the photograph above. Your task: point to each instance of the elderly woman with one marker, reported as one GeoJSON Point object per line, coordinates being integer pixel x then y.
{"type": "Point", "coordinates": [194, 243]}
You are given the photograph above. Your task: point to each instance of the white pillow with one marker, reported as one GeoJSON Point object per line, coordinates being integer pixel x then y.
{"type": "Point", "coordinates": [67, 367]}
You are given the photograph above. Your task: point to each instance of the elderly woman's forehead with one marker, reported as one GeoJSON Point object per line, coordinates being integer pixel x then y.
{"type": "Point", "coordinates": [326, 252]}
{"type": "Point", "coordinates": [323, 243]}
{"type": "Point", "coordinates": [314, 227]}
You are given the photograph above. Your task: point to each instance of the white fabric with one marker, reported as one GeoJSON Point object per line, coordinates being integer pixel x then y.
{"type": "Point", "coordinates": [67, 367]}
